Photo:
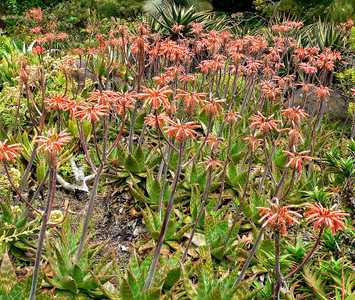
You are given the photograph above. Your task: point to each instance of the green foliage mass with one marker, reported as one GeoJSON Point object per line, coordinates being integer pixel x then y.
{"type": "Point", "coordinates": [336, 10]}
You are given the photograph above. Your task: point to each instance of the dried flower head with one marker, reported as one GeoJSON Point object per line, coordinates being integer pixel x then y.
{"type": "Point", "coordinates": [213, 164]}
{"type": "Point", "coordinates": [253, 142]}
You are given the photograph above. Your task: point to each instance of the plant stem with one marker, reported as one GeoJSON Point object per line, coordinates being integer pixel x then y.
{"type": "Point", "coordinates": [89, 212]}
{"type": "Point", "coordinates": [45, 218]}
{"type": "Point", "coordinates": [23, 184]}
{"type": "Point", "coordinates": [163, 181]}
{"type": "Point", "coordinates": [224, 171]}
{"type": "Point", "coordinates": [153, 266]}
{"type": "Point", "coordinates": [15, 189]}
{"type": "Point", "coordinates": [277, 266]}
{"type": "Point", "coordinates": [308, 256]}
{"type": "Point", "coordinates": [268, 161]}
{"type": "Point", "coordinates": [200, 212]}
{"type": "Point", "coordinates": [281, 183]}
{"type": "Point", "coordinates": [250, 257]}
{"type": "Point", "coordinates": [209, 127]}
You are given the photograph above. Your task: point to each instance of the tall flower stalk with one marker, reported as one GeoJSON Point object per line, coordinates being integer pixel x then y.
{"type": "Point", "coordinates": [150, 276]}
{"type": "Point", "coordinates": [51, 144]}
{"type": "Point", "coordinates": [180, 132]}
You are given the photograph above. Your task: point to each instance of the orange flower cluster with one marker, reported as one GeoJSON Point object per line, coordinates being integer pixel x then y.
{"type": "Point", "coordinates": [278, 217]}
{"type": "Point", "coordinates": [324, 217]}
{"type": "Point", "coordinates": [181, 131]}
{"type": "Point", "coordinates": [53, 142]}
{"type": "Point", "coordinates": [296, 160]}
{"type": "Point", "coordinates": [281, 217]}
{"type": "Point", "coordinates": [263, 124]}
{"type": "Point", "coordinates": [9, 152]}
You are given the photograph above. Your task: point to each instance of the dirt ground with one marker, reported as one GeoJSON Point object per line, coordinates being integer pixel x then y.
{"type": "Point", "coordinates": [116, 221]}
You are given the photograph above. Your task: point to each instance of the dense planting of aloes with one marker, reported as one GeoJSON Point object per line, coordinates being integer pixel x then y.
{"type": "Point", "coordinates": [222, 121]}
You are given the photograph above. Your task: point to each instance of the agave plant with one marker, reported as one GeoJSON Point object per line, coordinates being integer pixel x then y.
{"type": "Point", "coordinates": [132, 285]}
{"type": "Point", "coordinates": [167, 17]}
{"type": "Point", "coordinates": [324, 35]}
{"type": "Point", "coordinates": [10, 53]}
{"type": "Point", "coordinates": [341, 169]}
{"type": "Point", "coordinates": [12, 287]}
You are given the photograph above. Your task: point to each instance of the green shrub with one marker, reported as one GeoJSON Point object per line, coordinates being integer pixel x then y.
{"type": "Point", "coordinates": [119, 8]}
{"type": "Point", "coordinates": [308, 10]}
{"type": "Point", "coordinates": [19, 6]}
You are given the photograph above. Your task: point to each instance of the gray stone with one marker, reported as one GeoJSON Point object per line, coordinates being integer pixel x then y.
{"type": "Point", "coordinates": [336, 106]}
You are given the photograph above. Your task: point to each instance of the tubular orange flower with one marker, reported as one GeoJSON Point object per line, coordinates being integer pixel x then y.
{"type": "Point", "coordinates": [182, 131]}
{"type": "Point", "coordinates": [213, 141]}
{"type": "Point", "coordinates": [90, 112]}
{"type": "Point", "coordinates": [163, 79]}
{"type": "Point", "coordinates": [294, 115]}
{"type": "Point", "coordinates": [231, 117]}
{"type": "Point", "coordinates": [213, 106]}
{"type": "Point", "coordinates": [252, 67]}
{"type": "Point", "coordinates": [213, 163]}
{"type": "Point", "coordinates": [103, 97]}
{"type": "Point", "coordinates": [327, 58]}
{"type": "Point", "coordinates": [156, 97]}
{"type": "Point", "coordinates": [322, 92]}
{"type": "Point", "coordinates": [287, 26]}
{"type": "Point", "coordinates": [56, 103]}
{"type": "Point", "coordinates": [262, 123]}
{"type": "Point", "coordinates": [296, 160]}
{"type": "Point", "coordinates": [71, 106]}
{"type": "Point", "coordinates": [38, 49]}
{"type": "Point", "coordinates": [324, 217]}
{"type": "Point", "coordinates": [253, 142]}
{"type": "Point", "coordinates": [36, 30]}
{"type": "Point", "coordinates": [278, 217]}
{"type": "Point", "coordinates": [196, 28]}
{"type": "Point", "coordinates": [156, 121]}
{"type": "Point", "coordinates": [177, 28]}
{"type": "Point", "coordinates": [294, 137]}
{"type": "Point", "coordinates": [190, 99]}
{"type": "Point", "coordinates": [172, 51]}
{"type": "Point", "coordinates": [53, 142]}
{"type": "Point", "coordinates": [187, 77]}
{"type": "Point", "coordinates": [124, 101]}
{"type": "Point", "coordinates": [269, 90]}
{"type": "Point", "coordinates": [212, 65]}
{"type": "Point", "coordinates": [8, 152]}
{"type": "Point", "coordinates": [35, 14]}
{"type": "Point", "coordinates": [307, 68]}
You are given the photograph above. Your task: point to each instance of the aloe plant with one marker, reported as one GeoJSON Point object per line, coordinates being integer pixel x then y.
{"type": "Point", "coordinates": [18, 232]}
{"type": "Point", "coordinates": [86, 277]}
